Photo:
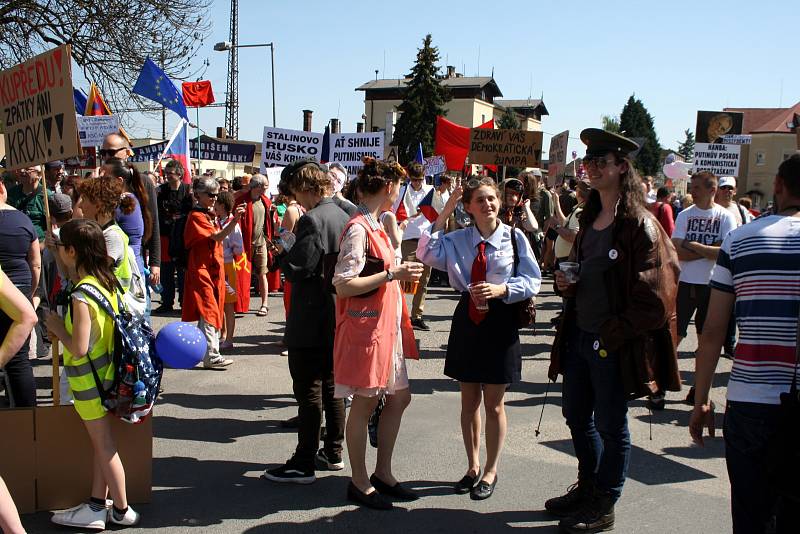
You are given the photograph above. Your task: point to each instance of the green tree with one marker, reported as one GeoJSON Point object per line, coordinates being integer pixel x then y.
{"type": "Point", "coordinates": [508, 120]}
{"type": "Point", "coordinates": [686, 148]}
{"type": "Point", "coordinates": [635, 122]}
{"type": "Point", "coordinates": [611, 123]}
{"type": "Point", "coordinates": [423, 100]}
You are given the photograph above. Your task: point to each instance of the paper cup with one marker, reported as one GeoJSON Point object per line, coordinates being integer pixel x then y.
{"type": "Point", "coordinates": [481, 304]}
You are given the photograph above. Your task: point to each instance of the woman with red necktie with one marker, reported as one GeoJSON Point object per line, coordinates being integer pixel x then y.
{"type": "Point", "coordinates": [483, 351]}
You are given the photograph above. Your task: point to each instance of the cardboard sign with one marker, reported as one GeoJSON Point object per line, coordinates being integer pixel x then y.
{"type": "Point", "coordinates": [712, 125]}
{"type": "Point", "coordinates": [435, 165]}
{"type": "Point", "coordinates": [38, 110]}
{"type": "Point", "coordinates": [558, 154]}
{"type": "Point", "coordinates": [518, 148]}
{"type": "Point", "coordinates": [93, 129]}
{"type": "Point", "coordinates": [722, 160]}
{"type": "Point", "coordinates": [281, 147]}
{"type": "Point", "coordinates": [349, 148]}
{"type": "Point", "coordinates": [390, 154]}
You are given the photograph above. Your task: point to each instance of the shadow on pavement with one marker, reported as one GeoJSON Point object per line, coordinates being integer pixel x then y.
{"type": "Point", "coordinates": [228, 402]}
{"type": "Point", "coordinates": [214, 430]}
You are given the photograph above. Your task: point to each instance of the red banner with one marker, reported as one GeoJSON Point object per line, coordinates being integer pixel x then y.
{"type": "Point", "coordinates": [197, 94]}
{"type": "Point", "coordinates": [452, 142]}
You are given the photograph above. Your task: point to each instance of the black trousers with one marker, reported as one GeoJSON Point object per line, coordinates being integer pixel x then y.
{"type": "Point", "coordinates": [18, 369]}
{"type": "Point", "coordinates": [312, 381]}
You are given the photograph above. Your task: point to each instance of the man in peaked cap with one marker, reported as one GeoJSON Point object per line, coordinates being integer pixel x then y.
{"type": "Point", "coordinates": [615, 341]}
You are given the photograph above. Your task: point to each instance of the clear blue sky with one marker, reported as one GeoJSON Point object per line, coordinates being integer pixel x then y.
{"type": "Point", "coordinates": [585, 57]}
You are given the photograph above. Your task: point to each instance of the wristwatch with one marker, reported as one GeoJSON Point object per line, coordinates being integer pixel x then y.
{"type": "Point", "coordinates": [389, 275]}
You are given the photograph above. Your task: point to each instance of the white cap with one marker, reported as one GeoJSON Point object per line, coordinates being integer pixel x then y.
{"type": "Point", "coordinates": [727, 181]}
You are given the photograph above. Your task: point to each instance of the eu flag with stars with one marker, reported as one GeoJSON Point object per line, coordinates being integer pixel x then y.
{"type": "Point", "coordinates": [156, 86]}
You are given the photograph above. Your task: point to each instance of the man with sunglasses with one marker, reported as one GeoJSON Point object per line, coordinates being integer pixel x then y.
{"type": "Point", "coordinates": [415, 190]}
{"type": "Point", "coordinates": [615, 341]}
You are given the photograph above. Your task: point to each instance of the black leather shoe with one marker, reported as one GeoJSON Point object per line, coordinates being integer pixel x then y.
{"type": "Point", "coordinates": [465, 485]}
{"type": "Point", "coordinates": [373, 500]}
{"type": "Point", "coordinates": [577, 495]}
{"type": "Point", "coordinates": [419, 324]}
{"type": "Point", "coordinates": [483, 490]}
{"type": "Point", "coordinates": [398, 491]}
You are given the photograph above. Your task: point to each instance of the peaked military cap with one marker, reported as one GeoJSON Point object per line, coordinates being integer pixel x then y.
{"type": "Point", "coordinates": [600, 142]}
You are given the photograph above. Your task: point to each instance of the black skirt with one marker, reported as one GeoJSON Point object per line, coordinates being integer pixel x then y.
{"type": "Point", "coordinates": [488, 352]}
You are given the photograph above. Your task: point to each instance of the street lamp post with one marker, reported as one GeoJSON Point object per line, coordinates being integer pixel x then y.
{"type": "Point", "coordinates": [225, 46]}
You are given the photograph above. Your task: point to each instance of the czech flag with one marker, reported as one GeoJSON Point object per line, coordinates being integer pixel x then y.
{"type": "Point", "coordinates": [401, 210]}
{"type": "Point", "coordinates": [426, 207]}
{"type": "Point", "coordinates": [178, 149]}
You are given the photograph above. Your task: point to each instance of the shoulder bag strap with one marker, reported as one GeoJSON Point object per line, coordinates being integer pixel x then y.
{"type": "Point", "coordinates": [514, 248]}
{"type": "Point", "coordinates": [93, 293]}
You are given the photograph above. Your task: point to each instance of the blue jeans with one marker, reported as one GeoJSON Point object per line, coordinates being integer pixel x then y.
{"type": "Point", "coordinates": [595, 408]}
{"type": "Point", "coordinates": [748, 428]}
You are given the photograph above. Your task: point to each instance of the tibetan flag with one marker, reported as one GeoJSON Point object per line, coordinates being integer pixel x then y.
{"type": "Point", "coordinates": [95, 105]}
{"type": "Point", "coordinates": [178, 149]}
{"type": "Point", "coordinates": [402, 208]}
{"type": "Point", "coordinates": [154, 84]}
{"type": "Point", "coordinates": [419, 158]}
{"type": "Point", "coordinates": [426, 207]}
{"type": "Point", "coordinates": [197, 94]}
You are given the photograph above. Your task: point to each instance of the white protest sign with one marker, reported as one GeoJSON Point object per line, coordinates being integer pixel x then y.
{"type": "Point", "coordinates": [349, 148]}
{"type": "Point", "coordinates": [435, 165]}
{"type": "Point", "coordinates": [273, 175]}
{"type": "Point", "coordinates": [722, 160]}
{"type": "Point", "coordinates": [93, 129]}
{"type": "Point", "coordinates": [281, 147]}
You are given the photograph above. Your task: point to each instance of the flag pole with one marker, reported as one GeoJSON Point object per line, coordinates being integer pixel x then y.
{"type": "Point", "coordinates": [198, 139]}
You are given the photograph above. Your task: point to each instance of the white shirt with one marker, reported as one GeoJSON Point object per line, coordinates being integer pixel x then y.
{"type": "Point", "coordinates": [419, 223]}
{"type": "Point", "coordinates": [707, 227]}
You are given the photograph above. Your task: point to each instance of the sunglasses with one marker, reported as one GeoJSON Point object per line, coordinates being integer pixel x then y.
{"type": "Point", "coordinates": [599, 161]}
{"type": "Point", "coordinates": [211, 195]}
{"type": "Point", "coordinates": [474, 183]}
{"type": "Point", "coordinates": [109, 152]}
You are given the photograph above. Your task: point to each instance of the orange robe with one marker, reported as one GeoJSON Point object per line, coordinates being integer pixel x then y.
{"type": "Point", "coordinates": [243, 276]}
{"type": "Point", "coordinates": [204, 283]}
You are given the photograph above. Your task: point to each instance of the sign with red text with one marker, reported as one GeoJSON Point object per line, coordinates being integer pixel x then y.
{"type": "Point", "coordinates": [38, 110]}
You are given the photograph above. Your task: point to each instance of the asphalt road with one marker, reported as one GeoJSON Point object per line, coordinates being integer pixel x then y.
{"type": "Point", "coordinates": [216, 431]}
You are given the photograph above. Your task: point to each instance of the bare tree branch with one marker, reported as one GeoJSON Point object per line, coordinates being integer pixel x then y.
{"type": "Point", "coordinates": [110, 40]}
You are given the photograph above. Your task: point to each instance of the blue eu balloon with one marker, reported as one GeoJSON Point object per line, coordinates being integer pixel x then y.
{"type": "Point", "coordinates": [181, 345]}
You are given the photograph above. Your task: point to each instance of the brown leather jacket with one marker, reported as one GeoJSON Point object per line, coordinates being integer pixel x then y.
{"type": "Point", "coordinates": [642, 288]}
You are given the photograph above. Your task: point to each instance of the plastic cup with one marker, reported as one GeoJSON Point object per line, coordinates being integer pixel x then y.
{"type": "Point", "coordinates": [570, 270]}
{"type": "Point", "coordinates": [410, 286]}
{"type": "Point", "coordinates": [481, 304]}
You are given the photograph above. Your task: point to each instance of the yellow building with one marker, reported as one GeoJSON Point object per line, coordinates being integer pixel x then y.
{"type": "Point", "coordinates": [774, 139]}
{"type": "Point", "coordinates": [475, 100]}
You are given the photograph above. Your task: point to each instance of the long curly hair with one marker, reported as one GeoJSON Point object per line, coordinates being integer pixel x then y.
{"type": "Point", "coordinates": [631, 197]}
{"type": "Point", "coordinates": [375, 174]}
{"type": "Point", "coordinates": [102, 192]}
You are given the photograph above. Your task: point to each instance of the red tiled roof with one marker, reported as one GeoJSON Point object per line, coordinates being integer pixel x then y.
{"type": "Point", "coordinates": [767, 120]}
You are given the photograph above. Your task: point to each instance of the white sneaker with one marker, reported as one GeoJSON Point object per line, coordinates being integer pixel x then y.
{"type": "Point", "coordinates": [130, 518]}
{"type": "Point", "coordinates": [81, 516]}
{"type": "Point", "coordinates": [218, 362]}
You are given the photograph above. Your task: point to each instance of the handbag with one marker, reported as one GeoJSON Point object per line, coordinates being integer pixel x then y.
{"type": "Point", "coordinates": [524, 310]}
{"type": "Point", "coordinates": [783, 456]}
{"type": "Point", "coordinates": [372, 265]}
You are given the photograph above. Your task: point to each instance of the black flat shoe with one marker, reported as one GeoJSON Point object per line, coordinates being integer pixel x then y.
{"type": "Point", "coordinates": [483, 490]}
{"type": "Point", "coordinates": [398, 491]}
{"type": "Point", "coordinates": [373, 500]}
{"type": "Point", "coordinates": [465, 485]}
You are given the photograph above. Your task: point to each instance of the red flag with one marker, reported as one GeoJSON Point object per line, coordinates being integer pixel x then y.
{"type": "Point", "coordinates": [452, 142]}
{"type": "Point", "coordinates": [197, 94]}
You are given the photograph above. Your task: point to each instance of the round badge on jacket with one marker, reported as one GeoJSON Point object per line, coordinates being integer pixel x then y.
{"type": "Point", "coordinates": [613, 254]}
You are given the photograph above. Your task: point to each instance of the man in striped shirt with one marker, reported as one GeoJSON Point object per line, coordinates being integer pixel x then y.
{"type": "Point", "coordinates": [757, 275]}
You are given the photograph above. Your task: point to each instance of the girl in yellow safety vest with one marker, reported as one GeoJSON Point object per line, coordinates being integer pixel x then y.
{"type": "Point", "coordinates": [87, 333]}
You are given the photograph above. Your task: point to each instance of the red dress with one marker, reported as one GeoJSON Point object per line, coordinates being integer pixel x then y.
{"type": "Point", "coordinates": [204, 284]}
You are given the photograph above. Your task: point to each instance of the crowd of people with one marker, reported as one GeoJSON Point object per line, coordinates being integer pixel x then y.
{"type": "Point", "coordinates": [632, 265]}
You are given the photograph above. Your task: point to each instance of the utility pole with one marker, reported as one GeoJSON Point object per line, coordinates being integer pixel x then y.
{"type": "Point", "coordinates": [163, 108]}
{"type": "Point", "coordinates": [232, 99]}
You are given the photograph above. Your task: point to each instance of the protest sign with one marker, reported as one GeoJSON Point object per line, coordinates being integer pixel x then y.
{"type": "Point", "coordinates": [281, 147]}
{"type": "Point", "coordinates": [435, 165]}
{"type": "Point", "coordinates": [390, 153]}
{"type": "Point", "coordinates": [92, 129]}
{"type": "Point", "coordinates": [722, 160]}
{"type": "Point", "coordinates": [349, 148]}
{"type": "Point", "coordinates": [519, 148]}
{"type": "Point", "coordinates": [210, 149]}
{"type": "Point", "coordinates": [712, 125]}
{"type": "Point", "coordinates": [557, 154]}
{"type": "Point", "coordinates": [737, 139]}
{"type": "Point", "coordinates": [273, 175]}
{"type": "Point", "coordinates": [38, 110]}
